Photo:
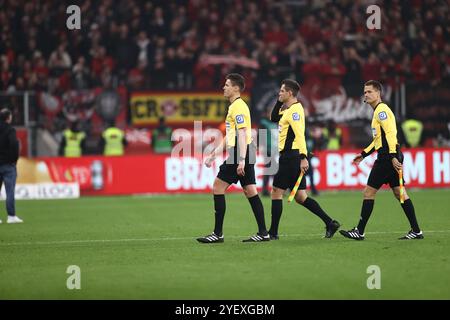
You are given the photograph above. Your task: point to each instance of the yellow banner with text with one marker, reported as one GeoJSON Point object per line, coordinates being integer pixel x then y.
{"type": "Point", "coordinates": [178, 108]}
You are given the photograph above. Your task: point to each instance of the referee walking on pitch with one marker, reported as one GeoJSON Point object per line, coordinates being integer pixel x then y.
{"type": "Point", "coordinates": [289, 114]}
{"type": "Point", "coordinates": [386, 168]}
{"type": "Point", "coordinates": [240, 164]}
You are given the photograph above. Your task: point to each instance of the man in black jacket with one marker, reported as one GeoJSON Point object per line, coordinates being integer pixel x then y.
{"type": "Point", "coordinates": [9, 153]}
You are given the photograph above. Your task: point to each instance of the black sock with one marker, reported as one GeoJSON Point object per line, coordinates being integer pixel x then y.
{"type": "Point", "coordinates": [258, 211]}
{"type": "Point", "coordinates": [277, 209]}
{"type": "Point", "coordinates": [366, 211]}
{"type": "Point", "coordinates": [408, 207]}
{"type": "Point", "coordinates": [219, 207]}
{"type": "Point", "coordinates": [315, 208]}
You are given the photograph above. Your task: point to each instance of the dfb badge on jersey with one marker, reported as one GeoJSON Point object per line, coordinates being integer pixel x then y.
{"type": "Point", "coordinates": [239, 119]}
{"type": "Point", "coordinates": [295, 116]}
{"type": "Point", "coordinates": [382, 115]}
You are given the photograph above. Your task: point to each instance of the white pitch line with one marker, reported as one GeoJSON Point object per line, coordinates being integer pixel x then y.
{"type": "Point", "coordinates": [29, 243]}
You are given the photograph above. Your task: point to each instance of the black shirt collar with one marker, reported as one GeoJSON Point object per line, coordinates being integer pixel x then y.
{"type": "Point", "coordinates": [293, 104]}
{"type": "Point", "coordinates": [377, 105]}
{"type": "Point", "coordinates": [235, 100]}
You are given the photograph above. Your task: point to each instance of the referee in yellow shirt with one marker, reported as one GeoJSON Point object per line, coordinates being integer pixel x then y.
{"type": "Point", "coordinates": [289, 114]}
{"type": "Point", "coordinates": [240, 164]}
{"type": "Point", "coordinates": [386, 167]}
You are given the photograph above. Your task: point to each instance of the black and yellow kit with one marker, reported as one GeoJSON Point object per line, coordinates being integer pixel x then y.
{"type": "Point", "coordinates": [384, 131]}
{"type": "Point", "coordinates": [238, 117]}
{"type": "Point", "coordinates": [291, 144]}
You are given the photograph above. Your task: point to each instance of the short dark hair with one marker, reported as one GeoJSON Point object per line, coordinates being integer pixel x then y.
{"type": "Point", "coordinates": [376, 84]}
{"type": "Point", "coordinates": [5, 113]}
{"type": "Point", "coordinates": [291, 85]}
{"type": "Point", "coordinates": [236, 80]}
{"type": "Point", "coordinates": [74, 126]}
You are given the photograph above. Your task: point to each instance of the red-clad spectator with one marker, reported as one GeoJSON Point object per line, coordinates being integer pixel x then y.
{"type": "Point", "coordinates": [28, 72]}
{"type": "Point", "coordinates": [419, 66]}
{"type": "Point", "coordinates": [6, 73]}
{"type": "Point", "coordinates": [445, 58]}
{"type": "Point", "coordinates": [276, 35]}
{"type": "Point", "coordinates": [434, 69]}
{"type": "Point", "coordinates": [404, 68]}
{"type": "Point", "coordinates": [249, 76]}
{"type": "Point", "coordinates": [372, 68]}
{"type": "Point", "coordinates": [390, 73]}
{"type": "Point", "coordinates": [213, 39]}
{"type": "Point", "coordinates": [312, 72]}
{"type": "Point", "coordinates": [439, 38]}
{"type": "Point", "coordinates": [203, 74]}
{"type": "Point", "coordinates": [9, 52]}
{"type": "Point", "coordinates": [97, 61]}
{"type": "Point", "coordinates": [194, 7]}
{"type": "Point", "coordinates": [310, 30]}
{"type": "Point", "coordinates": [40, 68]}
{"type": "Point", "coordinates": [109, 63]}
{"type": "Point", "coordinates": [190, 42]}
{"type": "Point", "coordinates": [64, 81]}
{"type": "Point", "coordinates": [429, 22]}
{"type": "Point", "coordinates": [101, 61]}
{"type": "Point", "coordinates": [333, 74]}
{"type": "Point", "coordinates": [136, 76]}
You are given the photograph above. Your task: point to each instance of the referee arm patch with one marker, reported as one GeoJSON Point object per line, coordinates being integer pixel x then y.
{"type": "Point", "coordinates": [295, 116]}
{"type": "Point", "coordinates": [382, 115]}
{"type": "Point", "coordinates": [240, 119]}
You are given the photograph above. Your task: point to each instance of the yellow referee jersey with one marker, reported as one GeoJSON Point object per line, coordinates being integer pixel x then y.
{"type": "Point", "coordinates": [292, 129]}
{"type": "Point", "coordinates": [238, 117]}
{"type": "Point", "coordinates": [384, 131]}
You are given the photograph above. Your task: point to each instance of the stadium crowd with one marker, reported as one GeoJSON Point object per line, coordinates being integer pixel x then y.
{"type": "Point", "coordinates": [168, 44]}
{"type": "Point", "coordinates": [192, 44]}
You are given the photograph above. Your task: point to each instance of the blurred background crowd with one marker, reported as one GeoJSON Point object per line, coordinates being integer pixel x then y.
{"type": "Point", "coordinates": [189, 45]}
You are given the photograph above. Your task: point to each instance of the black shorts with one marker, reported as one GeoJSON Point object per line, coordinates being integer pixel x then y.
{"type": "Point", "coordinates": [228, 173]}
{"type": "Point", "coordinates": [383, 172]}
{"type": "Point", "coordinates": [228, 169]}
{"type": "Point", "coordinates": [289, 171]}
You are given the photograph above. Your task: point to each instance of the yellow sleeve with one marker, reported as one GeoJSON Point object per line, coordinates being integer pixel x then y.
{"type": "Point", "coordinates": [386, 119]}
{"type": "Point", "coordinates": [297, 122]}
{"type": "Point", "coordinates": [241, 116]}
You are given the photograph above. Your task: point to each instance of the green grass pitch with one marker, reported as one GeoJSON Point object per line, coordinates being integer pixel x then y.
{"type": "Point", "coordinates": [145, 248]}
